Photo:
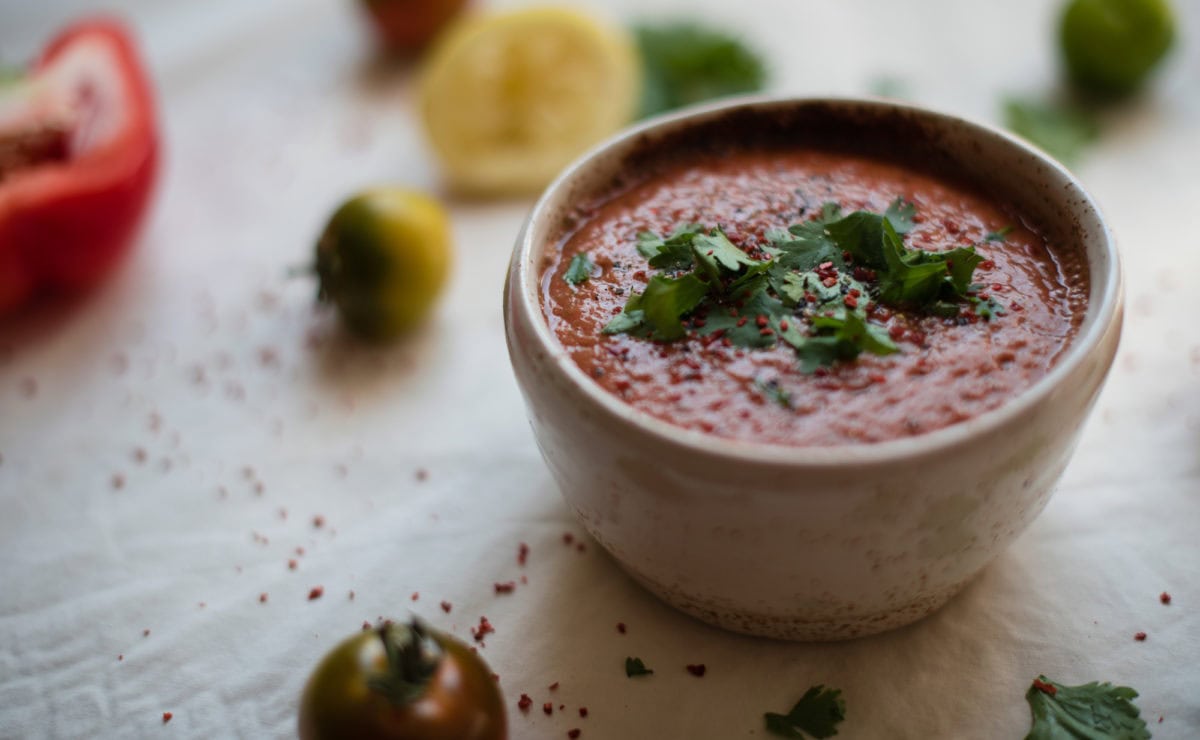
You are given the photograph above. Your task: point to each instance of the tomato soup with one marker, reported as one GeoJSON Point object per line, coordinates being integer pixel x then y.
{"type": "Point", "coordinates": [941, 369]}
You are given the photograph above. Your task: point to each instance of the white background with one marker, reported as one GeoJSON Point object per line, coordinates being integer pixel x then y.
{"type": "Point", "coordinates": [204, 355]}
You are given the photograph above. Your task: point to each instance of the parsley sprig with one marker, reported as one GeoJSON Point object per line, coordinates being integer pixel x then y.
{"type": "Point", "coordinates": [817, 713]}
{"type": "Point", "coordinates": [1093, 710]}
{"type": "Point", "coordinates": [809, 286]}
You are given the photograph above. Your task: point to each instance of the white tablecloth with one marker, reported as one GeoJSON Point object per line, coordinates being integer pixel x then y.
{"type": "Point", "coordinates": [167, 442]}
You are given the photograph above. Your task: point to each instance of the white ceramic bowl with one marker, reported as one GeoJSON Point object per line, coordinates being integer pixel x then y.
{"type": "Point", "coordinates": [816, 543]}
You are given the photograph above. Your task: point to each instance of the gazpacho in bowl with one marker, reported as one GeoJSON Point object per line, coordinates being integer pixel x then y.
{"type": "Point", "coordinates": [805, 366]}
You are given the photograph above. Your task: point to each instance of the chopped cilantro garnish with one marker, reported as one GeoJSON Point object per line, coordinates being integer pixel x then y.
{"type": "Point", "coordinates": [684, 63]}
{"type": "Point", "coordinates": [774, 392]}
{"type": "Point", "coordinates": [671, 253]}
{"type": "Point", "coordinates": [998, 235]}
{"type": "Point", "coordinates": [804, 292]}
{"type": "Point", "coordinates": [660, 307]}
{"type": "Point", "coordinates": [817, 713]}
{"type": "Point", "coordinates": [580, 269]}
{"type": "Point", "coordinates": [635, 667]}
{"type": "Point", "coordinates": [1097, 711]}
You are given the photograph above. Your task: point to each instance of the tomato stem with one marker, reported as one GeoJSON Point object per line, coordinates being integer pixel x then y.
{"type": "Point", "coordinates": [413, 656]}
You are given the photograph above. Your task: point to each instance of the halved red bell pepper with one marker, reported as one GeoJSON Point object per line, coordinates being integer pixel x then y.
{"type": "Point", "coordinates": [78, 161]}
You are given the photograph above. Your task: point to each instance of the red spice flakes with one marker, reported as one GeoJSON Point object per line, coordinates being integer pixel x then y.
{"type": "Point", "coordinates": [1164, 597]}
{"type": "Point", "coordinates": [316, 592]}
{"type": "Point", "coordinates": [568, 538]}
{"type": "Point", "coordinates": [422, 474]}
{"type": "Point", "coordinates": [167, 717]}
{"type": "Point", "coordinates": [574, 733]}
{"type": "Point", "coordinates": [146, 632]}
{"type": "Point", "coordinates": [259, 488]}
{"type": "Point", "coordinates": [484, 629]}
{"type": "Point", "coordinates": [318, 521]}
{"type": "Point", "coordinates": [118, 481]}
{"type": "Point", "coordinates": [697, 669]}
{"type": "Point", "coordinates": [366, 625]}
{"type": "Point", "coordinates": [580, 546]}
{"type": "Point", "coordinates": [1045, 688]}
{"type": "Point", "coordinates": [621, 627]}
{"type": "Point", "coordinates": [29, 387]}
{"type": "Point", "coordinates": [524, 703]}
{"type": "Point", "coordinates": [742, 321]}
{"type": "Point", "coordinates": [300, 551]}
{"type": "Point", "coordinates": [415, 595]}
{"type": "Point", "coordinates": [139, 455]}
{"type": "Point", "coordinates": [505, 588]}
{"type": "Point", "coordinates": [850, 301]}
{"type": "Point", "coordinates": [761, 320]}
{"type": "Point", "coordinates": [292, 564]}
{"type": "Point", "coordinates": [548, 708]}
{"type": "Point", "coordinates": [553, 686]}
{"type": "Point", "coordinates": [522, 553]}
{"type": "Point", "coordinates": [120, 657]}
{"type": "Point", "coordinates": [262, 598]}
{"type": "Point", "coordinates": [1139, 636]}
{"type": "Point", "coordinates": [447, 606]}
{"type": "Point", "coordinates": [583, 711]}
{"type": "Point", "coordinates": [351, 595]}
{"type": "Point", "coordinates": [783, 325]}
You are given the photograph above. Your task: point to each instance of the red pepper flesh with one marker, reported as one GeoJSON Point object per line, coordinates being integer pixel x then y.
{"type": "Point", "coordinates": [78, 161]}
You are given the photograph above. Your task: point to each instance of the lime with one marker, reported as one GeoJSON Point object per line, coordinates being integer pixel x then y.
{"type": "Point", "coordinates": [383, 259]}
{"type": "Point", "coordinates": [509, 99]}
{"type": "Point", "coordinates": [1110, 46]}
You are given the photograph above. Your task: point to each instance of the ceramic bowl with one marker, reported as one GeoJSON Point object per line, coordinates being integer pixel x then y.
{"type": "Point", "coordinates": [811, 543]}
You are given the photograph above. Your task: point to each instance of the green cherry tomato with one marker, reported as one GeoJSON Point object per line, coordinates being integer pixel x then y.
{"type": "Point", "coordinates": [402, 682]}
{"type": "Point", "coordinates": [1111, 46]}
{"type": "Point", "coordinates": [383, 259]}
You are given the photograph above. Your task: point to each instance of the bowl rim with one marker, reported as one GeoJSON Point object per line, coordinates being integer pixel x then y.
{"type": "Point", "coordinates": [525, 280]}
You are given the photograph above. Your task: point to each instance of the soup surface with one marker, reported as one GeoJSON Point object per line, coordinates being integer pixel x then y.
{"type": "Point", "coordinates": [945, 368]}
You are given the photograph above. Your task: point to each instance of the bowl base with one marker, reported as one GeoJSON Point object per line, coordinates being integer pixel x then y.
{"type": "Point", "coordinates": [831, 626]}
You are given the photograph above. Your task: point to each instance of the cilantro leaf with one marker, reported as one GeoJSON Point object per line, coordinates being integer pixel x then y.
{"type": "Point", "coordinates": [817, 713]}
{"type": "Point", "coordinates": [986, 308]}
{"type": "Point", "coordinates": [1093, 711]}
{"type": "Point", "coordinates": [673, 252]}
{"type": "Point", "coordinates": [900, 212]}
{"type": "Point", "coordinates": [961, 263]}
{"type": "Point", "coordinates": [774, 392]}
{"type": "Point", "coordinates": [998, 235]}
{"type": "Point", "coordinates": [626, 322]}
{"type": "Point", "coordinates": [580, 269]}
{"type": "Point", "coordinates": [661, 307]}
{"type": "Point", "coordinates": [844, 335]}
{"type": "Point", "coordinates": [635, 667]}
{"type": "Point", "coordinates": [743, 329]}
{"type": "Point", "coordinates": [1063, 131]}
{"type": "Point", "coordinates": [718, 256]}
{"type": "Point", "coordinates": [685, 63]}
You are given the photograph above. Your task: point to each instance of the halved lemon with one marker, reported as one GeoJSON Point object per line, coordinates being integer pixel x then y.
{"type": "Point", "coordinates": [510, 99]}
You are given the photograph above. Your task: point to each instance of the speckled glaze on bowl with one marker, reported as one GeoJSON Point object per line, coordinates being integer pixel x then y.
{"type": "Point", "coordinates": [811, 543]}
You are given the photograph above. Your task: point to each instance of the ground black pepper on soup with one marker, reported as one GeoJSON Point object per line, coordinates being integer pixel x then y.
{"type": "Point", "coordinates": [806, 297]}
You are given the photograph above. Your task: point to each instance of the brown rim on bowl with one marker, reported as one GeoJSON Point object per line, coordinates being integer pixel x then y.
{"type": "Point", "coordinates": [1088, 230]}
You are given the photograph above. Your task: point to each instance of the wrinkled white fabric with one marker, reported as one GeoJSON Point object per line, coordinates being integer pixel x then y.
{"type": "Point", "coordinates": [254, 417]}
